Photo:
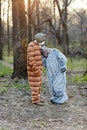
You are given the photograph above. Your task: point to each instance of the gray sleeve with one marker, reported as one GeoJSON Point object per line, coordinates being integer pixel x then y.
{"type": "Point", "coordinates": [62, 61]}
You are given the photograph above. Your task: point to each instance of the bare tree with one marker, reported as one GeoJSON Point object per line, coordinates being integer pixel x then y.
{"type": "Point", "coordinates": [19, 39]}
{"type": "Point", "coordinates": [29, 21]}
{"type": "Point", "coordinates": [63, 23]}
{"type": "Point", "coordinates": [35, 16]}
{"type": "Point", "coordinates": [1, 46]}
{"type": "Point", "coordinates": [8, 41]}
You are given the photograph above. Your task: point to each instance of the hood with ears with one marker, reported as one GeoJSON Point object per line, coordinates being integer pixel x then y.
{"type": "Point", "coordinates": [40, 38]}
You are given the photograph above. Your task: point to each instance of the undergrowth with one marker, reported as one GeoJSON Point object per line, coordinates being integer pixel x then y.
{"type": "Point", "coordinates": [73, 65]}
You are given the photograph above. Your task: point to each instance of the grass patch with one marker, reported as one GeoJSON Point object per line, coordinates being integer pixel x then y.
{"type": "Point", "coordinates": [7, 83]}
{"type": "Point", "coordinates": [80, 79]}
{"type": "Point", "coordinates": [3, 89]}
{"type": "Point", "coordinates": [77, 79]}
{"type": "Point", "coordinates": [74, 65]}
{"type": "Point", "coordinates": [4, 129]}
{"type": "Point", "coordinates": [44, 70]}
{"type": "Point", "coordinates": [77, 64]}
{"type": "Point", "coordinates": [9, 59]}
{"type": "Point", "coordinates": [4, 70]}
{"type": "Point", "coordinates": [21, 84]}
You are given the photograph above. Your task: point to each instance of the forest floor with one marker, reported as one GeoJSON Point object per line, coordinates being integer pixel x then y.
{"type": "Point", "coordinates": [18, 113]}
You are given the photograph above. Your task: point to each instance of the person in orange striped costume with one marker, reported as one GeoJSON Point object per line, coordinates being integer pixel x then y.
{"type": "Point", "coordinates": [34, 67]}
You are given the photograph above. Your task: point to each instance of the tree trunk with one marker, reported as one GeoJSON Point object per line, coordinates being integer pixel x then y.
{"type": "Point", "coordinates": [8, 41]}
{"type": "Point", "coordinates": [37, 15]}
{"type": "Point", "coordinates": [58, 33]}
{"type": "Point", "coordinates": [19, 38]}
{"type": "Point", "coordinates": [1, 46]}
{"type": "Point", "coordinates": [29, 22]}
{"type": "Point", "coordinates": [64, 39]}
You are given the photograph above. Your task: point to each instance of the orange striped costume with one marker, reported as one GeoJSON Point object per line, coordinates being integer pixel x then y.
{"type": "Point", "coordinates": [34, 68]}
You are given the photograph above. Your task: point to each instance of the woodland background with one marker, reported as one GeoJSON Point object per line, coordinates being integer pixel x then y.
{"type": "Point", "coordinates": [66, 29]}
{"type": "Point", "coordinates": [20, 20]}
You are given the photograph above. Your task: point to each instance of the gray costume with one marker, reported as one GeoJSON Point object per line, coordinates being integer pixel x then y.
{"type": "Point", "coordinates": [55, 63]}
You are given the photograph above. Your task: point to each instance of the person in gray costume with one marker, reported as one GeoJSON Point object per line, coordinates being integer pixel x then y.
{"type": "Point", "coordinates": [55, 63]}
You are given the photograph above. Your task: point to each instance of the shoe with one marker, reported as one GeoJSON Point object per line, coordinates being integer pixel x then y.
{"type": "Point", "coordinates": [52, 102]}
{"type": "Point", "coordinates": [39, 104]}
